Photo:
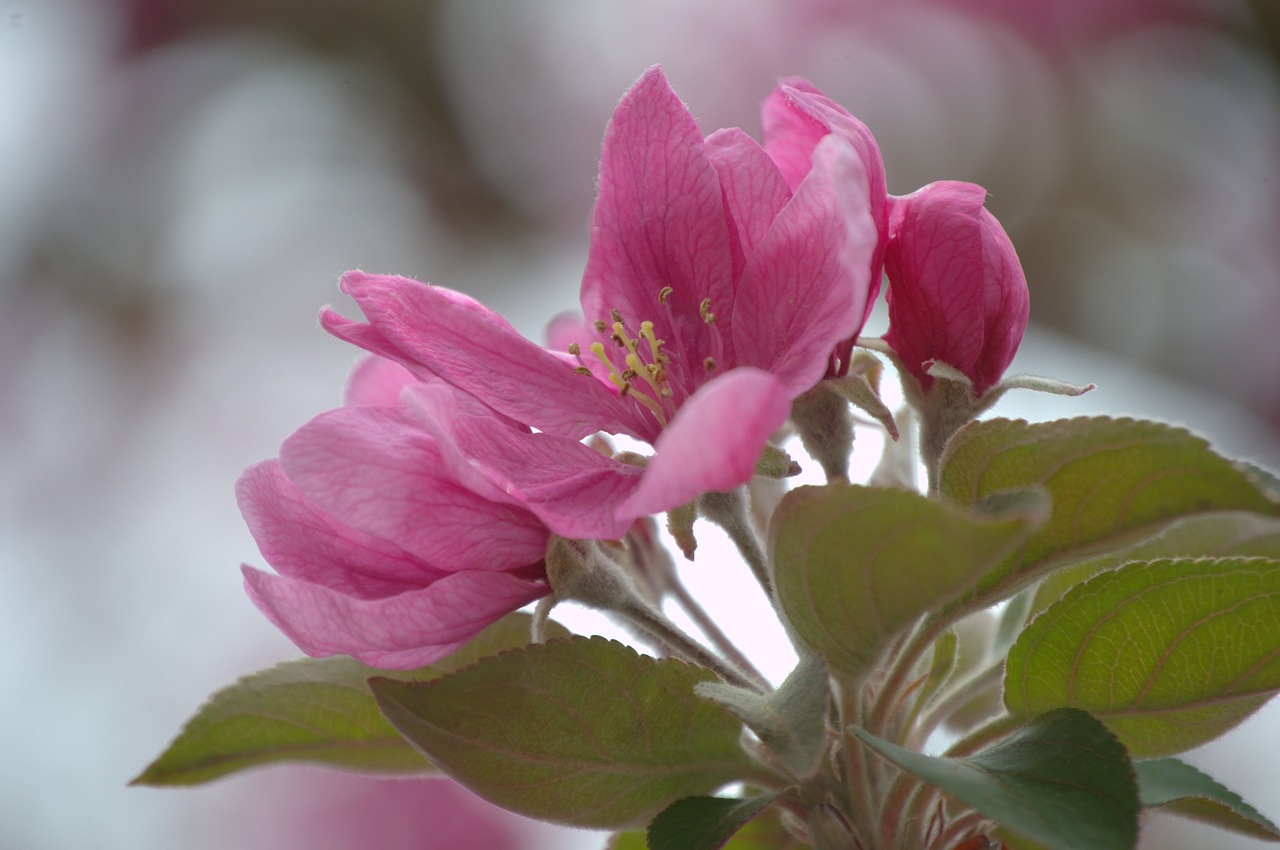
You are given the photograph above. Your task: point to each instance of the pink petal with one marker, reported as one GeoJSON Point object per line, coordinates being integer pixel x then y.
{"type": "Point", "coordinates": [806, 286]}
{"type": "Point", "coordinates": [1006, 304]}
{"type": "Point", "coordinates": [754, 189]}
{"type": "Point", "coordinates": [573, 489]}
{"type": "Point", "coordinates": [476, 350]}
{"type": "Point", "coordinates": [936, 277]}
{"type": "Point", "coordinates": [377, 380]}
{"type": "Point", "coordinates": [713, 443]}
{"type": "Point", "coordinates": [399, 632]}
{"type": "Point", "coordinates": [795, 118]}
{"type": "Point", "coordinates": [659, 221]}
{"type": "Point", "coordinates": [303, 542]}
{"type": "Point", "coordinates": [376, 470]}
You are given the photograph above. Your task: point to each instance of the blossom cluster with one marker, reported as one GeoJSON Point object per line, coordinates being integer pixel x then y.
{"type": "Point", "coordinates": [727, 278]}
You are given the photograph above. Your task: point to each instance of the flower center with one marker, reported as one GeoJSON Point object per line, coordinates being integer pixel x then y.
{"type": "Point", "coordinates": [640, 368]}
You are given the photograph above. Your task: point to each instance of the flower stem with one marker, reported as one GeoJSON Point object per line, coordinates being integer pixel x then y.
{"type": "Point", "coordinates": [732, 512]}
{"type": "Point", "coordinates": [715, 634]}
{"type": "Point", "coordinates": [655, 623]}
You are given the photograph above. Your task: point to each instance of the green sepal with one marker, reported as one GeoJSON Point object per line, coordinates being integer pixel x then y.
{"type": "Point", "coordinates": [1063, 781]}
{"type": "Point", "coordinates": [1174, 786]}
{"type": "Point", "coordinates": [315, 710]}
{"type": "Point", "coordinates": [585, 732]}
{"type": "Point", "coordinates": [1169, 654]}
{"type": "Point", "coordinates": [791, 721]}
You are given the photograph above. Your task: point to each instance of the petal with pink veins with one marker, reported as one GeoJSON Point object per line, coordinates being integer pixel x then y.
{"type": "Point", "coordinates": [376, 470]}
{"type": "Point", "coordinates": [659, 221]}
{"type": "Point", "coordinates": [303, 542]}
{"type": "Point", "coordinates": [378, 381]}
{"type": "Point", "coordinates": [478, 351]}
{"type": "Point", "coordinates": [572, 488]}
{"type": "Point", "coordinates": [805, 287]}
{"type": "Point", "coordinates": [399, 632]}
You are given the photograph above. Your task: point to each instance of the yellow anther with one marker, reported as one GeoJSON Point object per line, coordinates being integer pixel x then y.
{"type": "Point", "coordinates": [581, 370]}
{"type": "Point", "coordinates": [575, 349]}
{"type": "Point", "coordinates": [616, 316]}
{"type": "Point", "coordinates": [709, 364]}
{"type": "Point", "coordinates": [704, 310]}
{"type": "Point", "coordinates": [601, 326]}
{"type": "Point", "coordinates": [664, 293]}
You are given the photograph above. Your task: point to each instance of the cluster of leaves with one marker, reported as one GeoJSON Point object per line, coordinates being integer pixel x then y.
{"type": "Point", "coordinates": [1084, 601]}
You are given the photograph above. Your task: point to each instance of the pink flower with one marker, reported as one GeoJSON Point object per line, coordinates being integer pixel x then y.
{"type": "Point", "coordinates": [383, 552]}
{"type": "Point", "coordinates": [716, 287]}
{"type": "Point", "coordinates": [957, 293]}
{"type": "Point", "coordinates": [796, 116]}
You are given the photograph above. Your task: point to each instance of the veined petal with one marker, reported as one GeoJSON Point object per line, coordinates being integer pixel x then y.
{"type": "Point", "coordinates": [377, 380]}
{"type": "Point", "coordinates": [478, 351]}
{"type": "Point", "coordinates": [376, 470]}
{"type": "Point", "coordinates": [303, 542]}
{"type": "Point", "coordinates": [572, 488]}
{"type": "Point", "coordinates": [1006, 304]}
{"type": "Point", "coordinates": [806, 286]}
{"type": "Point", "coordinates": [398, 632]}
{"type": "Point", "coordinates": [659, 221]}
{"type": "Point", "coordinates": [795, 117]}
{"type": "Point", "coordinates": [754, 189]}
{"type": "Point", "coordinates": [936, 277]}
{"type": "Point", "coordinates": [714, 441]}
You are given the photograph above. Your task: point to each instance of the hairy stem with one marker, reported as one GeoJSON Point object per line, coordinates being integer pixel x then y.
{"type": "Point", "coordinates": [715, 634]}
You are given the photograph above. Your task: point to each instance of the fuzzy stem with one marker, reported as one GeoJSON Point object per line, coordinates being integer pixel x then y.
{"type": "Point", "coordinates": [731, 512]}
{"type": "Point", "coordinates": [655, 623]}
{"type": "Point", "coordinates": [715, 634]}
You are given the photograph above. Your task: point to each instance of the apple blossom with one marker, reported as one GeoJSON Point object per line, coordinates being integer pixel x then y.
{"type": "Point", "coordinates": [716, 288]}
{"type": "Point", "coordinates": [957, 294]}
{"type": "Point", "coordinates": [382, 552]}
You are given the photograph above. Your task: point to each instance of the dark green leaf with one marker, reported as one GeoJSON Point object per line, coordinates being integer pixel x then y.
{"type": "Point", "coordinates": [584, 731]}
{"type": "Point", "coordinates": [1112, 481]}
{"type": "Point", "coordinates": [703, 823]}
{"type": "Point", "coordinates": [1177, 787]}
{"type": "Point", "coordinates": [1169, 654]}
{"type": "Point", "coordinates": [856, 566]}
{"type": "Point", "coordinates": [1063, 781]}
{"type": "Point", "coordinates": [317, 710]}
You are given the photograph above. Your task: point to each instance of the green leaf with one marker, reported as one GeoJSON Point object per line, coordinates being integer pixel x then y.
{"type": "Point", "coordinates": [1211, 535]}
{"type": "Point", "coordinates": [703, 823]}
{"type": "Point", "coordinates": [855, 566]}
{"type": "Point", "coordinates": [1169, 654]}
{"type": "Point", "coordinates": [1063, 781]}
{"type": "Point", "coordinates": [584, 731]}
{"type": "Point", "coordinates": [764, 833]}
{"type": "Point", "coordinates": [1177, 787]}
{"type": "Point", "coordinates": [317, 710]}
{"type": "Point", "coordinates": [1112, 481]}
{"type": "Point", "coordinates": [791, 721]}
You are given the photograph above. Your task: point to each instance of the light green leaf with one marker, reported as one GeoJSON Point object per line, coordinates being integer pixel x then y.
{"type": "Point", "coordinates": [1169, 654]}
{"type": "Point", "coordinates": [1112, 481]}
{"type": "Point", "coordinates": [317, 710]}
{"type": "Point", "coordinates": [1063, 781]}
{"type": "Point", "coordinates": [1176, 787]}
{"type": "Point", "coordinates": [856, 566]}
{"type": "Point", "coordinates": [1211, 535]}
{"type": "Point", "coordinates": [703, 823]}
{"type": "Point", "coordinates": [584, 731]}
{"type": "Point", "coordinates": [791, 721]}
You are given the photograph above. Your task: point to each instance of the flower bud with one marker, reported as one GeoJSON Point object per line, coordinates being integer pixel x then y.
{"type": "Point", "coordinates": [957, 294]}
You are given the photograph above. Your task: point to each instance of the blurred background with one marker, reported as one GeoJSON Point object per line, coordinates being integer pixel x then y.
{"type": "Point", "coordinates": [182, 182]}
